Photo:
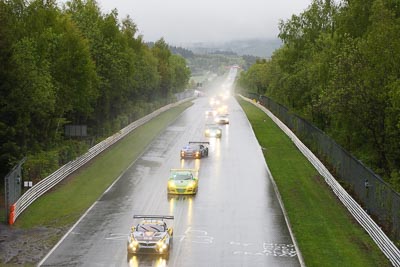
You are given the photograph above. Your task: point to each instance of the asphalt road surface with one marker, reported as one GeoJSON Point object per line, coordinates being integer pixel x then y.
{"type": "Point", "coordinates": [234, 220]}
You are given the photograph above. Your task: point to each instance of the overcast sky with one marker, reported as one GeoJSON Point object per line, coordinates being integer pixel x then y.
{"type": "Point", "coordinates": [188, 21]}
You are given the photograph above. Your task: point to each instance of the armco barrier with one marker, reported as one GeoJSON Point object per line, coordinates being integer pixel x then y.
{"type": "Point", "coordinates": [53, 179]}
{"type": "Point", "coordinates": [376, 233]}
{"type": "Point", "coordinates": [373, 193]}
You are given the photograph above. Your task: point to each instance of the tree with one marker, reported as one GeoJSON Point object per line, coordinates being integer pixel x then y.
{"type": "Point", "coordinates": [162, 53]}
{"type": "Point", "coordinates": [180, 73]}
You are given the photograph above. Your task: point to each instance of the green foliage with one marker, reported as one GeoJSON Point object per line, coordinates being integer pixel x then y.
{"type": "Point", "coordinates": [255, 78]}
{"type": "Point", "coordinates": [339, 67]}
{"type": "Point", "coordinates": [74, 65]}
{"type": "Point", "coordinates": [40, 165]}
{"type": "Point", "coordinates": [180, 73]}
{"type": "Point", "coordinates": [315, 215]}
{"type": "Point", "coordinates": [76, 195]}
{"type": "Point", "coordinates": [200, 64]}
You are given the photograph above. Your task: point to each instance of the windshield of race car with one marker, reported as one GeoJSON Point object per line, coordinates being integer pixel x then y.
{"type": "Point", "coordinates": [150, 228]}
{"type": "Point", "coordinates": [182, 176]}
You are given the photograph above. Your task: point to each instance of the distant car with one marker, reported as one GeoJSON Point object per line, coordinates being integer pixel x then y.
{"type": "Point", "coordinates": [196, 150]}
{"type": "Point", "coordinates": [212, 130]}
{"type": "Point", "coordinates": [214, 101]}
{"type": "Point", "coordinates": [222, 119]}
{"type": "Point", "coordinates": [150, 236]}
{"type": "Point", "coordinates": [183, 181]}
{"type": "Point", "coordinates": [210, 112]}
{"type": "Point", "coordinates": [223, 109]}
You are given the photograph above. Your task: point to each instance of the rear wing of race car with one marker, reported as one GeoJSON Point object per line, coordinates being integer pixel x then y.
{"type": "Point", "coordinates": [198, 142]}
{"type": "Point", "coordinates": [162, 217]}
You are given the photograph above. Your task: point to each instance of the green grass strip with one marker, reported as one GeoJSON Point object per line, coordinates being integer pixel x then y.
{"type": "Point", "coordinates": [325, 231]}
{"type": "Point", "coordinates": [65, 203]}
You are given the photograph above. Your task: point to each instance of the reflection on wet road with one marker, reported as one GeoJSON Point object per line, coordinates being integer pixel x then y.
{"type": "Point", "coordinates": [234, 220]}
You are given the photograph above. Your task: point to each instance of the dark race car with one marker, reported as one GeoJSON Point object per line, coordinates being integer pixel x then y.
{"type": "Point", "coordinates": [150, 236]}
{"type": "Point", "coordinates": [195, 150]}
{"type": "Point", "coordinates": [222, 119]}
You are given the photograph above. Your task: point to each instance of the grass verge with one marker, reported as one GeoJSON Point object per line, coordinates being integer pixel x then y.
{"type": "Point", "coordinates": [325, 231]}
{"type": "Point", "coordinates": [65, 203]}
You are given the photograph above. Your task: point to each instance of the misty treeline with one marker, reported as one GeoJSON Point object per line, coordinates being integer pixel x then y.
{"type": "Point", "coordinates": [74, 65]}
{"type": "Point", "coordinates": [339, 67]}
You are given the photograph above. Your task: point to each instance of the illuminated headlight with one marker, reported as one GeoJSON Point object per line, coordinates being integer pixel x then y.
{"type": "Point", "coordinates": [182, 153]}
{"type": "Point", "coordinates": [218, 132]}
{"type": "Point", "coordinates": [207, 131]}
{"type": "Point", "coordinates": [161, 245]}
{"type": "Point", "coordinates": [133, 244]}
{"type": "Point", "coordinates": [197, 153]}
{"type": "Point", "coordinates": [171, 184]}
{"type": "Point", "coordinates": [191, 184]}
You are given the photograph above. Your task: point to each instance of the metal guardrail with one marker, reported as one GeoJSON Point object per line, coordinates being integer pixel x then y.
{"type": "Point", "coordinates": [53, 179]}
{"type": "Point", "coordinates": [376, 233]}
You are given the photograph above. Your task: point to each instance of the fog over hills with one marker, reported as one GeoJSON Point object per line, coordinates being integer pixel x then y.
{"type": "Point", "coordinates": [256, 47]}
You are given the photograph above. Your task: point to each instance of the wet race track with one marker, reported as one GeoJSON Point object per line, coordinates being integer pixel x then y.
{"type": "Point", "coordinates": [234, 220]}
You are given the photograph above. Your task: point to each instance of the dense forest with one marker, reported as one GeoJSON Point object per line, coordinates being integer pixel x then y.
{"type": "Point", "coordinates": [74, 65]}
{"type": "Point", "coordinates": [339, 67]}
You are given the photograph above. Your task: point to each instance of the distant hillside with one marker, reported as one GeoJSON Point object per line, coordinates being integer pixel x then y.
{"type": "Point", "coordinates": [255, 47]}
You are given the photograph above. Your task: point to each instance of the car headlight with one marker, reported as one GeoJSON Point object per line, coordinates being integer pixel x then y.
{"type": "Point", "coordinates": [191, 184]}
{"type": "Point", "coordinates": [171, 184]}
{"type": "Point", "coordinates": [207, 131]}
{"type": "Point", "coordinates": [161, 244]}
{"type": "Point", "coordinates": [133, 244]}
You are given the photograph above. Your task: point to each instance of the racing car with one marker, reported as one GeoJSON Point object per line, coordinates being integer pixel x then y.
{"type": "Point", "coordinates": [211, 112]}
{"type": "Point", "coordinates": [150, 236]}
{"type": "Point", "coordinates": [212, 130]}
{"type": "Point", "coordinates": [195, 150]}
{"type": "Point", "coordinates": [222, 119]}
{"type": "Point", "coordinates": [183, 181]}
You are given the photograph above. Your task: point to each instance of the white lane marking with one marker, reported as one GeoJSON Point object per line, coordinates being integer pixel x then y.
{"type": "Point", "coordinates": [196, 236]}
{"type": "Point", "coordinates": [116, 237]}
{"type": "Point", "coordinates": [153, 159]}
{"type": "Point", "coordinates": [268, 249]}
{"type": "Point", "coordinates": [86, 212]}
{"type": "Point", "coordinates": [66, 234]}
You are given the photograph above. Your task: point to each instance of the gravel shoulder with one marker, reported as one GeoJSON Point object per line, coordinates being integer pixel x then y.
{"type": "Point", "coordinates": [26, 246]}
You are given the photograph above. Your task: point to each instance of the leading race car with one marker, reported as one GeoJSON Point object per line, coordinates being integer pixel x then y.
{"type": "Point", "coordinates": [150, 235]}
{"type": "Point", "coordinates": [183, 181]}
{"type": "Point", "coordinates": [195, 150]}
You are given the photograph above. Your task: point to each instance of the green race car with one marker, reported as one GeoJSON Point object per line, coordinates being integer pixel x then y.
{"type": "Point", "coordinates": [212, 130]}
{"type": "Point", "coordinates": [183, 182]}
